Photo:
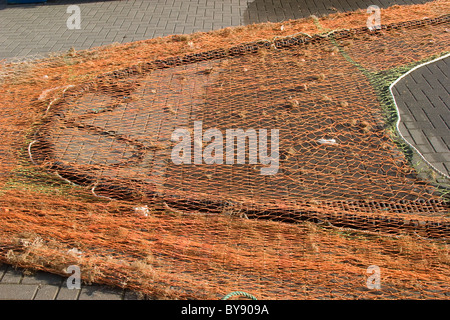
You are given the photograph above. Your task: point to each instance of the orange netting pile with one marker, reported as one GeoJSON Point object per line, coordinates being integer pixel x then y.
{"type": "Point", "coordinates": [135, 175]}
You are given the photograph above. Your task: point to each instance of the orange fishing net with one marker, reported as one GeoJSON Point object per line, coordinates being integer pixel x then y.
{"type": "Point", "coordinates": [268, 166]}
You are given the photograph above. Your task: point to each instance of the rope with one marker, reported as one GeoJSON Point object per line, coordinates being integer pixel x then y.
{"type": "Point", "coordinates": [239, 293]}
{"type": "Point", "coordinates": [45, 92]}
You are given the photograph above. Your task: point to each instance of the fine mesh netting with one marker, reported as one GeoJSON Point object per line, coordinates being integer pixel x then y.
{"type": "Point", "coordinates": [314, 187]}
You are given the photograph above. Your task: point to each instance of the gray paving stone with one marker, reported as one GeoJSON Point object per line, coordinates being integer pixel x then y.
{"type": "Point", "coordinates": [12, 276]}
{"type": "Point", "coordinates": [100, 293]}
{"type": "Point", "coordinates": [418, 136]}
{"type": "Point", "coordinates": [424, 148]}
{"type": "Point", "coordinates": [65, 293]}
{"type": "Point", "coordinates": [446, 141]}
{"type": "Point", "coordinates": [419, 114]}
{"type": "Point", "coordinates": [408, 119]}
{"type": "Point", "coordinates": [438, 145]}
{"type": "Point", "coordinates": [9, 291]}
{"type": "Point", "coordinates": [46, 292]}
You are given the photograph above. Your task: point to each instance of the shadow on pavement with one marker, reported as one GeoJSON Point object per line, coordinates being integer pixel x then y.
{"type": "Point", "coordinates": [281, 10]}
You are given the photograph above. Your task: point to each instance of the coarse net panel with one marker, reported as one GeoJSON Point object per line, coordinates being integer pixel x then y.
{"type": "Point", "coordinates": [99, 183]}
{"type": "Point", "coordinates": [116, 134]}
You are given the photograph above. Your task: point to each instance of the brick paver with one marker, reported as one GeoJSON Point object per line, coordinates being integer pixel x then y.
{"type": "Point", "coordinates": [423, 101]}
{"type": "Point", "coordinates": [9, 291]}
{"type": "Point", "coordinates": [16, 285]}
{"type": "Point", "coordinates": [46, 292]}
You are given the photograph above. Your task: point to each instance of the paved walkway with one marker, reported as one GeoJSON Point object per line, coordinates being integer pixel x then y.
{"type": "Point", "coordinates": [423, 100]}
{"type": "Point", "coordinates": [15, 285]}
{"type": "Point", "coordinates": [34, 30]}
{"type": "Point", "coordinates": [38, 29]}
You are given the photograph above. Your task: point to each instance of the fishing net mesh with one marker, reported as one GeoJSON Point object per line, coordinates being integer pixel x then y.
{"type": "Point", "coordinates": [90, 175]}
